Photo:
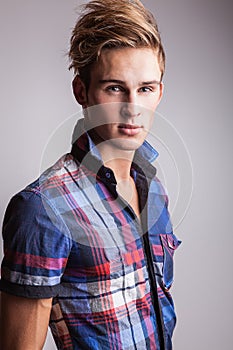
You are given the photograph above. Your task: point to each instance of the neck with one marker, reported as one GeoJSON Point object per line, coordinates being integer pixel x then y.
{"type": "Point", "coordinates": [118, 160]}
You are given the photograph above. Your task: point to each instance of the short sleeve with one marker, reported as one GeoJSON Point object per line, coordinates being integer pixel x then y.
{"type": "Point", "coordinates": [36, 247]}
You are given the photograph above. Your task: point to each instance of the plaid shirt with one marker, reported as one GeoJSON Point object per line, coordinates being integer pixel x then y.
{"type": "Point", "coordinates": [71, 237]}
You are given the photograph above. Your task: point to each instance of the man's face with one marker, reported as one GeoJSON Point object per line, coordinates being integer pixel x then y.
{"type": "Point", "coordinates": [123, 94]}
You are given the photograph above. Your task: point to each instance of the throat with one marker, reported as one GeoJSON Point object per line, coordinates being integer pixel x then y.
{"type": "Point", "coordinates": [126, 189]}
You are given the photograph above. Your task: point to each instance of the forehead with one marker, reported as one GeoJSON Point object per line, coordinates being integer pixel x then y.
{"type": "Point", "coordinates": [127, 64]}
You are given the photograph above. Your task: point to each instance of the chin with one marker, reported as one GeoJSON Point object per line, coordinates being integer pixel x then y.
{"type": "Point", "coordinates": [126, 144]}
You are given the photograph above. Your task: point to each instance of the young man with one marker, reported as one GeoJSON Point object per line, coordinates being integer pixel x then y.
{"type": "Point", "coordinates": [89, 245]}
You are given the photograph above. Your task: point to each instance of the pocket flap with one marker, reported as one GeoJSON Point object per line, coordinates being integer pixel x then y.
{"type": "Point", "coordinates": [170, 243]}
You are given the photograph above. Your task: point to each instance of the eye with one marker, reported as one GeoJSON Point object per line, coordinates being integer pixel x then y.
{"type": "Point", "coordinates": [146, 89]}
{"type": "Point", "coordinates": [115, 88]}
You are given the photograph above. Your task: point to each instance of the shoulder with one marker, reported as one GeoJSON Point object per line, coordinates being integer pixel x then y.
{"type": "Point", "coordinates": [55, 175]}
{"type": "Point", "coordinates": [38, 202]}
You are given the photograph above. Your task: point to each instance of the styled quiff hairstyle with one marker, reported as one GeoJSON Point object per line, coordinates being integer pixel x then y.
{"type": "Point", "coordinates": [112, 24]}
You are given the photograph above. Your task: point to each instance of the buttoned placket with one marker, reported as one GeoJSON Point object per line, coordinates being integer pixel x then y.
{"type": "Point", "coordinates": [107, 177]}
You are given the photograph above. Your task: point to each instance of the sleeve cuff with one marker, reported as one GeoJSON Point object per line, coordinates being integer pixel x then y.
{"type": "Point", "coordinates": [32, 292]}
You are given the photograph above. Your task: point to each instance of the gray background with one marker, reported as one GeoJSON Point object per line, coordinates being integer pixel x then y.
{"type": "Point", "coordinates": [36, 97]}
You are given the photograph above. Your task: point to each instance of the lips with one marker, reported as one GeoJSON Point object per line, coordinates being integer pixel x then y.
{"type": "Point", "coordinates": [129, 129]}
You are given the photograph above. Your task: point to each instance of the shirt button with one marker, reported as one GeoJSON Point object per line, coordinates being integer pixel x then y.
{"type": "Point", "coordinates": [108, 175]}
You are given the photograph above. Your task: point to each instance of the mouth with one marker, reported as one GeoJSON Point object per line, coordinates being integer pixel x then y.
{"type": "Point", "coordinates": [129, 129]}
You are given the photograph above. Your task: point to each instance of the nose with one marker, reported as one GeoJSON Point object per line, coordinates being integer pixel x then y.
{"type": "Point", "coordinates": [130, 109]}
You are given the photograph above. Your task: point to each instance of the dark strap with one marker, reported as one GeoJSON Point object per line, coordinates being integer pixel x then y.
{"type": "Point", "coordinates": [154, 292]}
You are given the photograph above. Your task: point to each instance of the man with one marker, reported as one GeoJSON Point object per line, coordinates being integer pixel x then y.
{"type": "Point", "coordinates": [88, 247]}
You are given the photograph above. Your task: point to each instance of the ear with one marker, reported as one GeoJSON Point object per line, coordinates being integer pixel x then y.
{"type": "Point", "coordinates": [161, 89]}
{"type": "Point", "coordinates": [79, 91]}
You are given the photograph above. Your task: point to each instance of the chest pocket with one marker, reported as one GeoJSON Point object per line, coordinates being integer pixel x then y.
{"type": "Point", "coordinates": [163, 259]}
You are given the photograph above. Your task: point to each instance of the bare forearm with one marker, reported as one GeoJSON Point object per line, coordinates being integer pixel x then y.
{"type": "Point", "coordinates": [23, 322]}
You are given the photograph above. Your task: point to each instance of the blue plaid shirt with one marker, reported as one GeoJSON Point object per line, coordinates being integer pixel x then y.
{"type": "Point", "coordinates": [70, 236]}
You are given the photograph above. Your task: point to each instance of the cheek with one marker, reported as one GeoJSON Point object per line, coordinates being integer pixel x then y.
{"type": "Point", "coordinates": [108, 113]}
{"type": "Point", "coordinates": [154, 103]}
{"type": "Point", "coordinates": [103, 114]}
{"type": "Point", "coordinates": [94, 96]}
{"type": "Point", "coordinates": [106, 132]}
{"type": "Point", "coordinates": [148, 116]}
{"type": "Point", "coordinates": [111, 112]}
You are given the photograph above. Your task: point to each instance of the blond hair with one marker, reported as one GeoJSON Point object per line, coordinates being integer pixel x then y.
{"type": "Point", "coordinates": [112, 24]}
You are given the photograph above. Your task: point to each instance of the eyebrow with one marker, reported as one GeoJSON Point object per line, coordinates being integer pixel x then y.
{"type": "Point", "coordinates": [116, 81]}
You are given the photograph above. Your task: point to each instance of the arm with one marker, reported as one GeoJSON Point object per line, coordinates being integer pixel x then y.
{"type": "Point", "coordinates": [23, 322]}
